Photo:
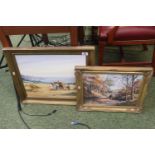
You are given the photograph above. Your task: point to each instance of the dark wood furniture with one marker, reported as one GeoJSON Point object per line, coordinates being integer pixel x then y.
{"type": "Point", "coordinates": [6, 31]}
{"type": "Point", "coordinates": [126, 35]}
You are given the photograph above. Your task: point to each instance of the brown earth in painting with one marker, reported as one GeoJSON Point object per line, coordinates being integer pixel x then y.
{"type": "Point", "coordinates": [43, 90]}
{"type": "Point", "coordinates": [108, 102]}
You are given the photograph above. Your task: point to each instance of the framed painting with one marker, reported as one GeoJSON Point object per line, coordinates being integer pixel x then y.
{"type": "Point", "coordinates": [115, 89]}
{"type": "Point", "coordinates": [46, 74]}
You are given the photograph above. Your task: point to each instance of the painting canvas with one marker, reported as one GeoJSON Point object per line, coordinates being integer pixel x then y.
{"type": "Point", "coordinates": [112, 89]}
{"type": "Point", "coordinates": [49, 76]}
{"type": "Point", "coordinates": [46, 75]}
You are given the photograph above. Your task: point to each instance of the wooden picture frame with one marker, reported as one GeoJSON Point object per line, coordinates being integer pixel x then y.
{"type": "Point", "coordinates": [112, 89]}
{"type": "Point", "coordinates": [45, 75]}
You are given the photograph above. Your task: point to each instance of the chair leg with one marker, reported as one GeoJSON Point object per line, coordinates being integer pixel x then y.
{"type": "Point", "coordinates": [45, 39]}
{"type": "Point", "coordinates": [145, 48]}
{"type": "Point", "coordinates": [101, 52]}
{"type": "Point", "coordinates": [153, 61]}
{"type": "Point", "coordinates": [81, 35]}
{"type": "Point", "coordinates": [122, 54]}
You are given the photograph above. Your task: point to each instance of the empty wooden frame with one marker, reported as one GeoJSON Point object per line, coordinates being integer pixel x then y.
{"type": "Point", "coordinates": [115, 89]}
{"type": "Point", "coordinates": [46, 74]}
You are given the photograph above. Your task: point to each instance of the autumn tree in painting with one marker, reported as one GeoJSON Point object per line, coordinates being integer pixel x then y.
{"type": "Point", "coordinates": [131, 85]}
{"type": "Point", "coordinates": [94, 85]}
{"type": "Point", "coordinates": [112, 89]}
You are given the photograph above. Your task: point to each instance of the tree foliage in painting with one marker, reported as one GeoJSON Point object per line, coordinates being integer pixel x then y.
{"type": "Point", "coordinates": [104, 88]}
{"type": "Point", "coordinates": [95, 86]}
{"type": "Point", "coordinates": [131, 85]}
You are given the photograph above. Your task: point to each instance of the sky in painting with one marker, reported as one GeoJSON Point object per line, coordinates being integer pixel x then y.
{"type": "Point", "coordinates": [117, 80]}
{"type": "Point", "coordinates": [49, 65]}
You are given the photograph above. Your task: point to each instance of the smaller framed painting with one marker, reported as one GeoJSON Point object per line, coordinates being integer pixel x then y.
{"type": "Point", "coordinates": [46, 74]}
{"type": "Point", "coordinates": [115, 89]}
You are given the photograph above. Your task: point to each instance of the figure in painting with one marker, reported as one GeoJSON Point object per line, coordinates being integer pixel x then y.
{"type": "Point", "coordinates": [59, 86]}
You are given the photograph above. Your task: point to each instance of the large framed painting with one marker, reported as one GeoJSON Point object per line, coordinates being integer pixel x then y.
{"type": "Point", "coordinates": [115, 89]}
{"type": "Point", "coordinates": [46, 74]}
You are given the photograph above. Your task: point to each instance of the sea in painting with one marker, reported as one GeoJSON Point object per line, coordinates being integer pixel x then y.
{"type": "Point", "coordinates": [49, 76]}
{"type": "Point", "coordinates": [112, 89]}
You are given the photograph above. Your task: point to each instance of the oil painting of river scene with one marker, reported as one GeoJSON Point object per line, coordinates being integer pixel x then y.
{"type": "Point", "coordinates": [112, 89]}
{"type": "Point", "coordinates": [49, 76]}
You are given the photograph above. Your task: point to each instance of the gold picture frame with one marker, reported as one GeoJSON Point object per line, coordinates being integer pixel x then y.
{"type": "Point", "coordinates": [112, 89]}
{"type": "Point", "coordinates": [45, 75]}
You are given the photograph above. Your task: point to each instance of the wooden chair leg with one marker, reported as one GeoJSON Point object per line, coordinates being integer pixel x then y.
{"type": "Point", "coordinates": [74, 36]}
{"type": "Point", "coordinates": [81, 34]}
{"type": "Point", "coordinates": [153, 61]}
{"type": "Point", "coordinates": [5, 40]}
{"type": "Point", "coordinates": [122, 54]}
{"type": "Point", "coordinates": [101, 52]}
{"type": "Point", "coordinates": [94, 34]}
{"type": "Point", "coordinates": [145, 48]}
{"type": "Point", "coordinates": [45, 39]}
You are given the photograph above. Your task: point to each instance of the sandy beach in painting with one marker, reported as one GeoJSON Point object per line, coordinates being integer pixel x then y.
{"type": "Point", "coordinates": [44, 90]}
{"type": "Point", "coordinates": [49, 76]}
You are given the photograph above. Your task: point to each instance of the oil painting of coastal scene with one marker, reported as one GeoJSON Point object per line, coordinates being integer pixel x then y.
{"type": "Point", "coordinates": [49, 76]}
{"type": "Point", "coordinates": [112, 89]}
